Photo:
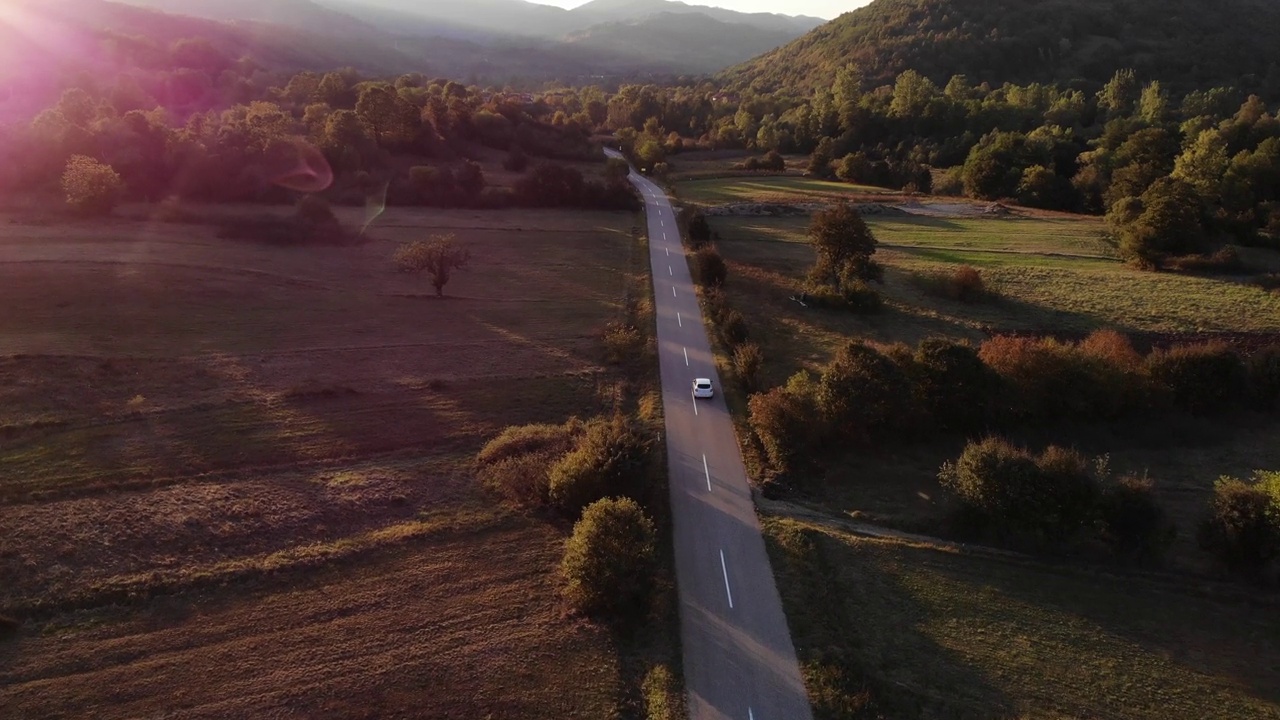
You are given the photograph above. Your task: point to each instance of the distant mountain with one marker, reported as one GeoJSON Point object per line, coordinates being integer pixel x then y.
{"type": "Point", "coordinates": [1185, 43]}
{"type": "Point", "coordinates": [528, 19]}
{"type": "Point", "coordinates": [47, 45]}
{"type": "Point", "coordinates": [475, 18]}
{"type": "Point", "coordinates": [602, 11]}
{"type": "Point", "coordinates": [692, 42]}
{"type": "Point", "coordinates": [302, 15]}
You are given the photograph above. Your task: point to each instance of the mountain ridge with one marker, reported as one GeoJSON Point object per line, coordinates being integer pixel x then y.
{"type": "Point", "coordinates": [1183, 43]}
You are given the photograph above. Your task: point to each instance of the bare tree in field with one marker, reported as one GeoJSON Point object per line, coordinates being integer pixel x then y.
{"type": "Point", "coordinates": [438, 257]}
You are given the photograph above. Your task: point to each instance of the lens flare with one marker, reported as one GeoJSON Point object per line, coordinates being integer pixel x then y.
{"type": "Point", "coordinates": [375, 202]}
{"type": "Point", "coordinates": [298, 165]}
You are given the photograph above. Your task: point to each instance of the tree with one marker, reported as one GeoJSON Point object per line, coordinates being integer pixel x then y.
{"type": "Point", "coordinates": [820, 160]}
{"type": "Point", "coordinates": [1117, 97]}
{"type": "Point", "coordinates": [1040, 187]}
{"type": "Point", "coordinates": [611, 558]}
{"type": "Point", "coordinates": [1164, 221]}
{"type": "Point", "coordinates": [1204, 164]}
{"type": "Point", "coordinates": [1153, 107]}
{"type": "Point", "coordinates": [844, 245]}
{"type": "Point", "coordinates": [862, 394]}
{"type": "Point", "coordinates": [438, 257]}
{"type": "Point", "coordinates": [994, 166]}
{"type": "Point", "coordinates": [91, 187]}
{"type": "Point", "coordinates": [912, 94]}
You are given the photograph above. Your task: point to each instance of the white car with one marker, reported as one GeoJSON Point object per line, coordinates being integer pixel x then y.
{"type": "Point", "coordinates": [702, 388]}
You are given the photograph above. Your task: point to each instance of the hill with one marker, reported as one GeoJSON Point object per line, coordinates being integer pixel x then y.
{"type": "Point", "coordinates": [1184, 43]}
{"type": "Point", "coordinates": [598, 11]}
{"type": "Point", "coordinates": [692, 42]}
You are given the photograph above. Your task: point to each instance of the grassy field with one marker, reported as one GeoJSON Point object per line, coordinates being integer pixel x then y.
{"type": "Point", "coordinates": [1055, 274]}
{"type": "Point", "coordinates": [771, 189]}
{"type": "Point", "coordinates": [890, 629]}
{"type": "Point", "coordinates": [235, 480]}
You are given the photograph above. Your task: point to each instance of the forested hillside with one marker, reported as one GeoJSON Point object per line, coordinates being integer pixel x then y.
{"type": "Point", "coordinates": [1185, 43]}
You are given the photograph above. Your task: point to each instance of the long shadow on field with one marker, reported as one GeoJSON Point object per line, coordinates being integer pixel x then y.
{"type": "Point", "coordinates": [1236, 641]}
{"type": "Point", "coordinates": [857, 632]}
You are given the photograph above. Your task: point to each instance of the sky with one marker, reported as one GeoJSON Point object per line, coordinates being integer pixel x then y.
{"type": "Point", "coordinates": [819, 8]}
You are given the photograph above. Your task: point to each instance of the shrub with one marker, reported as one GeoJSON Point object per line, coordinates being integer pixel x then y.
{"type": "Point", "coordinates": [962, 284]}
{"type": "Point", "coordinates": [784, 420]}
{"type": "Point", "coordinates": [733, 328]}
{"type": "Point", "coordinates": [709, 267]}
{"type": "Point", "coordinates": [1015, 496]}
{"type": "Point", "coordinates": [1200, 379]}
{"type": "Point", "coordinates": [967, 284]}
{"type": "Point", "coordinates": [1048, 379]}
{"type": "Point", "coordinates": [860, 297]}
{"type": "Point", "coordinates": [1133, 521]}
{"type": "Point", "coordinates": [1264, 377]}
{"type": "Point", "coordinates": [622, 342]}
{"type": "Point", "coordinates": [610, 560]}
{"type": "Point", "coordinates": [519, 440]}
{"type": "Point", "coordinates": [954, 387]}
{"type": "Point", "coordinates": [610, 458]}
{"type": "Point", "coordinates": [515, 463]}
{"type": "Point", "coordinates": [8, 627]}
{"type": "Point", "coordinates": [91, 187]}
{"type": "Point", "coordinates": [862, 394]}
{"type": "Point", "coordinates": [747, 360]}
{"type": "Point", "coordinates": [661, 695]}
{"type": "Point", "coordinates": [698, 228]}
{"type": "Point", "coordinates": [1225, 261]}
{"type": "Point", "coordinates": [1242, 529]}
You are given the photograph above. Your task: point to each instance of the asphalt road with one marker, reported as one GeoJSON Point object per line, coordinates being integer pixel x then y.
{"type": "Point", "coordinates": [739, 661]}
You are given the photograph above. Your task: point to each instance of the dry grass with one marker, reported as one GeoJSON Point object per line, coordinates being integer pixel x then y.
{"type": "Point", "coordinates": [921, 632]}
{"type": "Point", "coordinates": [283, 439]}
{"type": "Point", "coordinates": [467, 626]}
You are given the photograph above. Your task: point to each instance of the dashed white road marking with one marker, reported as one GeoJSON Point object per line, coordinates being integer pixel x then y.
{"type": "Point", "coordinates": [673, 291]}
{"type": "Point", "coordinates": [686, 357]}
{"type": "Point", "coordinates": [706, 471]}
{"type": "Point", "coordinates": [725, 570]}
{"type": "Point", "coordinates": [670, 271]}
{"type": "Point", "coordinates": [678, 320]}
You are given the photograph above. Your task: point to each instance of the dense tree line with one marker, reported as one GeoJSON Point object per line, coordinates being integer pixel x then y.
{"type": "Point", "coordinates": [213, 130]}
{"type": "Point", "coordinates": [1174, 175]}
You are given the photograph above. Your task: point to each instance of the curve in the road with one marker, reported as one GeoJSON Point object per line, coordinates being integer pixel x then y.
{"type": "Point", "coordinates": [739, 660]}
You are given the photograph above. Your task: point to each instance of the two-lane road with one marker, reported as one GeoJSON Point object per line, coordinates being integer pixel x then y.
{"type": "Point", "coordinates": [739, 661]}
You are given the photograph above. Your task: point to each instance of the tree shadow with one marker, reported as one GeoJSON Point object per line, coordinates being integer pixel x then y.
{"type": "Point", "coordinates": [859, 633]}
{"type": "Point", "coordinates": [1228, 634]}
